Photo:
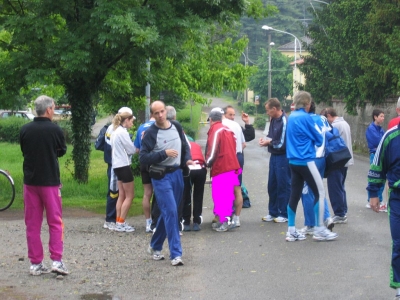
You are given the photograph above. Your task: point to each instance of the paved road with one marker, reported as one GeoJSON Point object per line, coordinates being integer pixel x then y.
{"type": "Point", "coordinates": [255, 261]}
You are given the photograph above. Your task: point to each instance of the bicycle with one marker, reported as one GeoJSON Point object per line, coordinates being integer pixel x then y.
{"type": "Point", "coordinates": [7, 190]}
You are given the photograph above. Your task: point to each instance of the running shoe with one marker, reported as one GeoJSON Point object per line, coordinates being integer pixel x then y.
{"type": "Point", "coordinates": [294, 236]}
{"type": "Point", "coordinates": [307, 230]}
{"type": "Point", "coordinates": [268, 218]}
{"type": "Point", "coordinates": [59, 267]}
{"type": "Point", "coordinates": [383, 207]}
{"type": "Point", "coordinates": [280, 220]}
{"type": "Point", "coordinates": [124, 227]}
{"type": "Point", "coordinates": [38, 269]}
{"type": "Point", "coordinates": [109, 225]}
{"type": "Point", "coordinates": [177, 261]}
{"type": "Point", "coordinates": [368, 205]}
{"type": "Point", "coordinates": [196, 227]}
{"type": "Point", "coordinates": [155, 253]}
{"type": "Point", "coordinates": [324, 235]}
{"type": "Point", "coordinates": [339, 220]}
{"type": "Point", "coordinates": [329, 223]}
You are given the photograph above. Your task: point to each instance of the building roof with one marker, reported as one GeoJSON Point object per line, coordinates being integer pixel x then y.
{"type": "Point", "coordinates": [290, 46]}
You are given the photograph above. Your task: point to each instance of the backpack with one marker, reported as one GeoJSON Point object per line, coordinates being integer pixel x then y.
{"type": "Point", "coordinates": [100, 141]}
{"type": "Point", "coordinates": [336, 152]}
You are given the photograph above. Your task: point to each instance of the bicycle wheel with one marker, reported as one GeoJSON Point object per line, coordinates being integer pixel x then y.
{"type": "Point", "coordinates": [7, 190]}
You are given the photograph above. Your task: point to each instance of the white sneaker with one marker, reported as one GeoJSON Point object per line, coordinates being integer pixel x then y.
{"type": "Point", "coordinates": [280, 220]}
{"type": "Point", "coordinates": [236, 219]}
{"type": "Point", "coordinates": [368, 205]}
{"type": "Point", "coordinates": [177, 261]}
{"type": "Point", "coordinates": [109, 225]}
{"type": "Point", "coordinates": [324, 235]}
{"type": "Point", "coordinates": [124, 227]}
{"type": "Point", "coordinates": [38, 269]}
{"type": "Point", "coordinates": [307, 230]}
{"type": "Point", "coordinates": [294, 236]}
{"type": "Point", "coordinates": [383, 207]}
{"type": "Point", "coordinates": [267, 218]}
{"type": "Point", "coordinates": [148, 226]}
{"type": "Point", "coordinates": [155, 253]}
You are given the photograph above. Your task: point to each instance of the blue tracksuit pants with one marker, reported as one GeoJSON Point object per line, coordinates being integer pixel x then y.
{"type": "Point", "coordinates": [394, 221]}
{"type": "Point", "coordinates": [279, 185]}
{"type": "Point", "coordinates": [336, 191]}
{"type": "Point", "coordinates": [169, 191]}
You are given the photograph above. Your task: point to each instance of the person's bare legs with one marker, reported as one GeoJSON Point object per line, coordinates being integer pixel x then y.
{"type": "Point", "coordinates": [147, 193]}
{"type": "Point", "coordinates": [238, 200]}
{"type": "Point", "coordinates": [120, 200]}
{"type": "Point", "coordinates": [128, 189]}
{"type": "Point", "coordinates": [238, 203]}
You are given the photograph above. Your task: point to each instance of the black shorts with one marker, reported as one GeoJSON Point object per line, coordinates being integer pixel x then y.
{"type": "Point", "coordinates": [124, 174]}
{"type": "Point", "coordinates": [145, 174]}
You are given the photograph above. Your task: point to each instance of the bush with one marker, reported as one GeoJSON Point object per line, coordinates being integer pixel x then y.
{"type": "Point", "coordinates": [66, 128]}
{"type": "Point", "coordinates": [249, 108]}
{"type": "Point", "coordinates": [259, 122]}
{"type": "Point", "coordinates": [190, 131]}
{"type": "Point", "coordinates": [10, 128]}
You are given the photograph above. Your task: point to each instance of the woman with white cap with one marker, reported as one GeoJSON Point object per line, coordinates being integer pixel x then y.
{"type": "Point", "coordinates": [122, 151]}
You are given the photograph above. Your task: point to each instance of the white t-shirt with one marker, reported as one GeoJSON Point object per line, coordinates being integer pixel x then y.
{"type": "Point", "coordinates": [237, 130]}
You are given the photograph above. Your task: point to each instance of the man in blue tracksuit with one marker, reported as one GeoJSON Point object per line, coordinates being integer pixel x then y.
{"type": "Point", "coordinates": [386, 166]}
{"type": "Point", "coordinates": [279, 171]}
{"type": "Point", "coordinates": [303, 136]}
{"type": "Point", "coordinates": [164, 144]}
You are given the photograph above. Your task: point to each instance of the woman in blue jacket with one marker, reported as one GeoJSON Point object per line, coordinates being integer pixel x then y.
{"type": "Point", "coordinates": [303, 136]}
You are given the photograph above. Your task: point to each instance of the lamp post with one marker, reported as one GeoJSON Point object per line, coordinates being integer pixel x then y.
{"type": "Point", "coordinates": [269, 69]}
{"type": "Point", "coordinates": [265, 27]}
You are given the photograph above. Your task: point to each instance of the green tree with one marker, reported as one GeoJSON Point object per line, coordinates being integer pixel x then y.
{"type": "Point", "coordinates": [90, 48]}
{"type": "Point", "coordinates": [281, 77]}
{"type": "Point", "coordinates": [353, 54]}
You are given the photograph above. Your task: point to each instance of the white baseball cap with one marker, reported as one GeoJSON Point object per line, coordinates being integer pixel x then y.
{"type": "Point", "coordinates": [125, 110]}
{"type": "Point", "coordinates": [218, 109]}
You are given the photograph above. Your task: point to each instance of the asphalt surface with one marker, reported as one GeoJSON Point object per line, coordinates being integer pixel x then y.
{"type": "Point", "coordinates": [255, 262]}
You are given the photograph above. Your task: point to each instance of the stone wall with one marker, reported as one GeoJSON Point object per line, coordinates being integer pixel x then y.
{"type": "Point", "coordinates": [359, 123]}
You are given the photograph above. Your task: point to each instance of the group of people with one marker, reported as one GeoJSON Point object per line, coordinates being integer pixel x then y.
{"type": "Point", "coordinates": [297, 168]}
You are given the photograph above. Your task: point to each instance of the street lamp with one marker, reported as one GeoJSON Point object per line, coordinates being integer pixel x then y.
{"type": "Point", "coordinates": [269, 69]}
{"type": "Point", "coordinates": [265, 27]}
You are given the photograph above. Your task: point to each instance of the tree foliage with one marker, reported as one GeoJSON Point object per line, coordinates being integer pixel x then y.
{"type": "Point", "coordinates": [354, 53]}
{"type": "Point", "coordinates": [281, 76]}
{"type": "Point", "coordinates": [98, 49]}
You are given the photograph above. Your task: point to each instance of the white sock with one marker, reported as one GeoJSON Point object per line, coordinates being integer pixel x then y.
{"type": "Point", "coordinates": [398, 291]}
{"type": "Point", "coordinates": [148, 221]}
{"type": "Point", "coordinates": [291, 229]}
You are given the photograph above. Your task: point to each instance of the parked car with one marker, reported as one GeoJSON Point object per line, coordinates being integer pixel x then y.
{"type": "Point", "coordinates": [18, 114]}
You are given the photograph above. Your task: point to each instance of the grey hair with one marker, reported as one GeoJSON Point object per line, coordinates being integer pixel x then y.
{"type": "Point", "coordinates": [301, 99]}
{"type": "Point", "coordinates": [215, 116]}
{"type": "Point", "coordinates": [171, 112]}
{"type": "Point", "coordinates": [42, 103]}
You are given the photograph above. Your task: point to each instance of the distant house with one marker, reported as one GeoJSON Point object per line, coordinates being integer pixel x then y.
{"type": "Point", "coordinates": [290, 50]}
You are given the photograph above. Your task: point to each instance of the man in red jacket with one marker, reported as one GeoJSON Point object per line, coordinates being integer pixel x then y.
{"type": "Point", "coordinates": [221, 158]}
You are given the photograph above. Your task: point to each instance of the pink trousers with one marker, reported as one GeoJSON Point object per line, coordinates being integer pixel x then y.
{"type": "Point", "coordinates": [223, 193]}
{"type": "Point", "coordinates": [36, 200]}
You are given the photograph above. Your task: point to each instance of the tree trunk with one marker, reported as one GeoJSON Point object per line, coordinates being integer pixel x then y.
{"type": "Point", "coordinates": [81, 101]}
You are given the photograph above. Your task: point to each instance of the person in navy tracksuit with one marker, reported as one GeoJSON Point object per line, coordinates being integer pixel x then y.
{"type": "Point", "coordinates": [279, 171]}
{"type": "Point", "coordinates": [386, 166]}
